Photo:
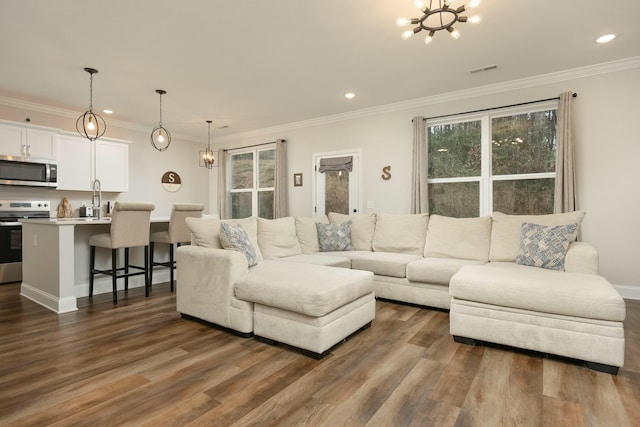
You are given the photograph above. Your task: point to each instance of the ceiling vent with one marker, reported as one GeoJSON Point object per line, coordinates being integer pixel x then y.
{"type": "Point", "coordinates": [481, 69]}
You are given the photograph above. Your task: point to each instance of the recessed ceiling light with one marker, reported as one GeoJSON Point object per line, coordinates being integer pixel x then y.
{"type": "Point", "coordinates": [107, 111]}
{"type": "Point", "coordinates": [349, 95]}
{"type": "Point", "coordinates": [606, 38]}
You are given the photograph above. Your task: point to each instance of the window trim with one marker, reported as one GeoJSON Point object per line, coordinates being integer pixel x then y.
{"type": "Point", "coordinates": [486, 179]}
{"type": "Point", "coordinates": [255, 171]}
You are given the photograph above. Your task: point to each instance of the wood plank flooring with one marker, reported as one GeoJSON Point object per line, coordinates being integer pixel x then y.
{"type": "Point", "coordinates": [141, 364]}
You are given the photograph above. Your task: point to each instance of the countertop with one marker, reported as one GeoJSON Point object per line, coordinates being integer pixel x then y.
{"type": "Point", "coordinates": [80, 221]}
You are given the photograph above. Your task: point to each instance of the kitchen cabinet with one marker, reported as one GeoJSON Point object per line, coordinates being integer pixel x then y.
{"type": "Point", "coordinates": [27, 141]}
{"type": "Point", "coordinates": [81, 161]}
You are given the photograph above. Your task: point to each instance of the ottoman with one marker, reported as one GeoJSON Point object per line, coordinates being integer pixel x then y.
{"type": "Point", "coordinates": [312, 307]}
{"type": "Point", "coordinates": [573, 315]}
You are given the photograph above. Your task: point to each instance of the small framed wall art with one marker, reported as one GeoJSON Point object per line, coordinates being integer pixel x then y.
{"type": "Point", "coordinates": [297, 180]}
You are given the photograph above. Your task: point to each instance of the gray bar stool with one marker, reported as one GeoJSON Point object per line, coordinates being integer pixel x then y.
{"type": "Point", "coordinates": [178, 233]}
{"type": "Point", "coordinates": [130, 225]}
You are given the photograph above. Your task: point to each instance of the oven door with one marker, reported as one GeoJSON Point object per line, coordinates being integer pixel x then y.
{"type": "Point", "coordinates": [10, 242]}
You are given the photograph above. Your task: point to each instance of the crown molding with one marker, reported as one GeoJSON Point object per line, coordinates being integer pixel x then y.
{"type": "Point", "coordinates": [543, 79]}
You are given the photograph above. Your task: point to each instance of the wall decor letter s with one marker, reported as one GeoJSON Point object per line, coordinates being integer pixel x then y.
{"type": "Point", "coordinates": [386, 175]}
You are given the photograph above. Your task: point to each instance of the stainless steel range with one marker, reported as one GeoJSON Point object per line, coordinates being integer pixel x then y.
{"type": "Point", "coordinates": [11, 211]}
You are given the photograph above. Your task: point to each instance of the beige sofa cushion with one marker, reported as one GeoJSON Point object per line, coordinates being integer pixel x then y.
{"type": "Point", "coordinates": [436, 270]}
{"type": "Point", "coordinates": [505, 231]}
{"type": "Point", "coordinates": [277, 237]}
{"type": "Point", "coordinates": [547, 291]}
{"type": "Point", "coordinates": [384, 263]}
{"type": "Point", "coordinates": [313, 290]}
{"type": "Point", "coordinates": [362, 228]}
{"type": "Point", "coordinates": [462, 238]}
{"type": "Point", "coordinates": [400, 233]}
{"type": "Point", "coordinates": [205, 232]}
{"type": "Point", "coordinates": [307, 232]}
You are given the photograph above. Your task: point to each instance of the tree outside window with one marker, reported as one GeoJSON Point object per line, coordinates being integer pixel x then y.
{"type": "Point", "coordinates": [504, 161]}
{"type": "Point", "coordinates": [252, 180]}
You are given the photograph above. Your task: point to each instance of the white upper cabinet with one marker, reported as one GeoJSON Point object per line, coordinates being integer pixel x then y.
{"type": "Point", "coordinates": [75, 171]}
{"type": "Point", "coordinates": [24, 141]}
{"type": "Point", "coordinates": [81, 161]}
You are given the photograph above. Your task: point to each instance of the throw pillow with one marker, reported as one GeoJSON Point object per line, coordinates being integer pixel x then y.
{"type": "Point", "coordinates": [334, 237]}
{"type": "Point", "coordinates": [234, 237]}
{"type": "Point", "coordinates": [545, 246]}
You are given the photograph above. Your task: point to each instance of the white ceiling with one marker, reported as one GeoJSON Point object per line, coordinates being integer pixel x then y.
{"type": "Point", "coordinates": [252, 64]}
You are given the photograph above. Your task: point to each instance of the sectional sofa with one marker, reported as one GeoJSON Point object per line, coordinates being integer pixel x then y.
{"type": "Point", "coordinates": [305, 293]}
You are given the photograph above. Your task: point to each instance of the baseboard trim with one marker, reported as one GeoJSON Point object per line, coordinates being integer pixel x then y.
{"type": "Point", "coordinates": [45, 299]}
{"type": "Point", "coordinates": [628, 292]}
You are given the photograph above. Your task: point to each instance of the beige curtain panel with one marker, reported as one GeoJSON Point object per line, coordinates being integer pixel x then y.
{"type": "Point", "coordinates": [280, 202]}
{"type": "Point", "coordinates": [419, 190]}
{"type": "Point", "coordinates": [565, 195]}
{"type": "Point", "coordinates": [223, 196]}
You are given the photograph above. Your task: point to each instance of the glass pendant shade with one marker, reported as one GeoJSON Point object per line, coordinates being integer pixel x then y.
{"type": "Point", "coordinates": [207, 156]}
{"type": "Point", "coordinates": [91, 125]}
{"type": "Point", "coordinates": [160, 136]}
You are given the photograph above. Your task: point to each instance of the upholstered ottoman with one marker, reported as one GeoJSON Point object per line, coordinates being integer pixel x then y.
{"type": "Point", "coordinates": [574, 315]}
{"type": "Point", "coordinates": [312, 307]}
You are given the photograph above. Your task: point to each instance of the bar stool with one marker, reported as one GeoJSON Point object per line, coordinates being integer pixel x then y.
{"type": "Point", "coordinates": [177, 233]}
{"type": "Point", "coordinates": [130, 224]}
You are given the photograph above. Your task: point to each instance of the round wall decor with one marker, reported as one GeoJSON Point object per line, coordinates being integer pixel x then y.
{"type": "Point", "coordinates": [171, 181]}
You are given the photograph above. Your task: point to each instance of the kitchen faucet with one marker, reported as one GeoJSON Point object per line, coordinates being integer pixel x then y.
{"type": "Point", "coordinates": [97, 207]}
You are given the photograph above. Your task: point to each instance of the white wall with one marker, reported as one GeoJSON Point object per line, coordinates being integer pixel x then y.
{"type": "Point", "coordinates": [607, 149]}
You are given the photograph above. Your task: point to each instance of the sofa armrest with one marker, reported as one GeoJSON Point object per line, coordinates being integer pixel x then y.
{"type": "Point", "coordinates": [205, 286]}
{"type": "Point", "coordinates": [581, 258]}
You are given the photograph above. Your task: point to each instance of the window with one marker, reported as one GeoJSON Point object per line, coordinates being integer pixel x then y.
{"type": "Point", "coordinates": [252, 183]}
{"type": "Point", "coordinates": [501, 161]}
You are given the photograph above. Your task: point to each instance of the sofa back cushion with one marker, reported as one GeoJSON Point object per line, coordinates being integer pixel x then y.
{"type": "Point", "coordinates": [400, 233]}
{"type": "Point", "coordinates": [307, 233]}
{"type": "Point", "coordinates": [277, 237]}
{"type": "Point", "coordinates": [206, 231]}
{"type": "Point", "coordinates": [362, 228]}
{"type": "Point", "coordinates": [506, 231]}
{"type": "Point", "coordinates": [461, 238]}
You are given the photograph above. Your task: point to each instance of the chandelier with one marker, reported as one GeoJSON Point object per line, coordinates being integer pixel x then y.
{"type": "Point", "coordinates": [207, 156]}
{"type": "Point", "coordinates": [438, 15]}
{"type": "Point", "coordinates": [160, 136]}
{"type": "Point", "coordinates": [90, 125]}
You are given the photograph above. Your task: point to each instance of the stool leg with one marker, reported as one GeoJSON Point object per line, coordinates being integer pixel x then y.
{"type": "Point", "coordinates": [152, 247]}
{"type": "Point", "coordinates": [171, 264]}
{"type": "Point", "coordinates": [92, 262]}
{"type": "Point", "coordinates": [146, 271]}
{"type": "Point", "coordinates": [126, 269]}
{"type": "Point", "coordinates": [114, 275]}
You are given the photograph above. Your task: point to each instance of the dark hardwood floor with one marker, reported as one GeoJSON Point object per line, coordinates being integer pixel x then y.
{"type": "Point", "coordinates": [140, 364]}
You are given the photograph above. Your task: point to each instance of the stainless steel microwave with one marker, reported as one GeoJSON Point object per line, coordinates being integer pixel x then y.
{"type": "Point", "coordinates": [28, 171]}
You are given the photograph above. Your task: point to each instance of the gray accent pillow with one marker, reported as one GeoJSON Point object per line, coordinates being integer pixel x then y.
{"type": "Point", "coordinates": [545, 246]}
{"type": "Point", "coordinates": [234, 237]}
{"type": "Point", "coordinates": [334, 237]}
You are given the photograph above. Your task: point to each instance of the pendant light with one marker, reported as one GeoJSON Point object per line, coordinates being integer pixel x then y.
{"type": "Point", "coordinates": [90, 125]}
{"type": "Point", "coordinates": [160, 136]}
{"type": "Point", "coordinates": [207, 156]}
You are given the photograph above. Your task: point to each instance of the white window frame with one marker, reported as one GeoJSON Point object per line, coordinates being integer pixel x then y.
{"type": "Point", "coordinates": [254, 190]}
{"type": "Point", "coordinates": [486, 179]}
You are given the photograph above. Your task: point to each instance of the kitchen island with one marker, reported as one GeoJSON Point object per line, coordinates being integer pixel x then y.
{"type": "Point", "coordinates": [55, 260]}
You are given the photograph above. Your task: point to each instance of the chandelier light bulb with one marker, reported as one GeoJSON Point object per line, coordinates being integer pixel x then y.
{"type": "Point", "coordinates": [474, 3]}
{"type": "Point", "coordinates": [160, 137]}
{"type": "Point", "coordinates": [455, 34]}
{"type": "Point", "coordinates": [475, 19]}
{"type": "Point", "coordinates": [403, 22]}
{"type": "Point", "coordinates": [90, 124]}
{"type": "Point", "coordinates": [429, 38]}
{"type": "Point", "coordinates": [406, 35]}
{"type": "Point", "coordinates": [419, 4]}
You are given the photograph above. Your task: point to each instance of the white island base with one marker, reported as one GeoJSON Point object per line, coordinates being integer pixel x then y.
{"type": "Point", "coordinates": [55, 261]}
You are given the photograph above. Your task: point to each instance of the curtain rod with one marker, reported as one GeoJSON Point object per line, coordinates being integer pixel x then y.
{"type": "Point", "coordinates": [251, 146]}
{"type": "Point", "coordinates": [496, 108]}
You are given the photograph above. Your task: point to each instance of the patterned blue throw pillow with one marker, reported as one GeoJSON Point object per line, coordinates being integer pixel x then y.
{"type": "Point", "coordinates": [236, 238]}
{"type": "Point", "coordinates": [544, 246]}
{"type": "Point", "coordinates": [334, 237]}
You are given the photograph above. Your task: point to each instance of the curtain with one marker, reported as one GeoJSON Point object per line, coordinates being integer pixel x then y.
{"type": "Point", "coordinates": [336, 164]}
{"type": "Point", "coordinates": [223, 197]}
{"type": "Point", "coordinates": [565, 195]}
{"type": "Point", "coordinates": [419, 190]}
{"type": "Point", "coordinates": [280, 203]}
